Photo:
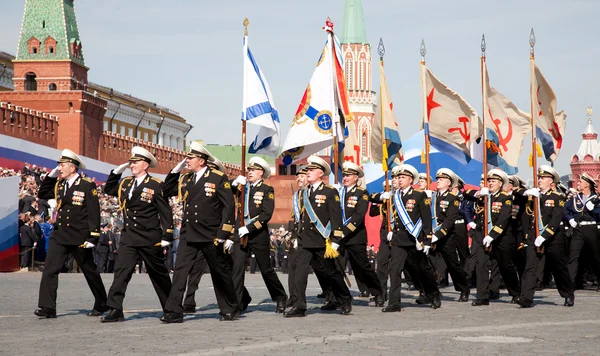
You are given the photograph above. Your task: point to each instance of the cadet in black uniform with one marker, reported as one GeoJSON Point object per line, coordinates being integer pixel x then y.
{"type": "Point", "coordinates": [582, 212]}
{"type": "Point", "coordinates": [296, 213]}
{"type": "Point", "coordinates": [499, 243]}
{"type": "Point", "coordinates": [76, 231]}
{"type": "Point", "coordinates": [319, 233]}
{"type": "Point", "coordinates": [466, 213]}
{"type": "Point", "coordinates": [148, 228]}
{"type": "Point", "coordinates": [516, 188]}
{"type": "Point", "coordinates": [410, 238]}
{"type": "Point", "coordinates": [355, 203]}
{"type": "Point", "coordinates": [550, 239]}
{"type": "Point", "coordinates": [378, 208]}
{"type": "Point", "coordinates": [258, 206]}
{"type": "Point", "coordinates": [444, 238]}
{"type": "Point", "coordinates": [206, 229]}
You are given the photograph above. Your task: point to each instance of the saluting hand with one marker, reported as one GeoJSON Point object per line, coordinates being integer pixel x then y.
{"type": "Point", "coordinates": [120, 169]}
{"type": "Point", "coordinates": [179, 166]}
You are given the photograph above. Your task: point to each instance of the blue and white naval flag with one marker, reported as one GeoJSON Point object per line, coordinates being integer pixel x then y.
{"type": "Point", "coordinates": [258, 107]}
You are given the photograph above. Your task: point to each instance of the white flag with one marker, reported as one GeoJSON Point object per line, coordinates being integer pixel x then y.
{"type": "Point", "coordinates": [550, 126]}
{"type": "Point", "coordinates": [258, 107]}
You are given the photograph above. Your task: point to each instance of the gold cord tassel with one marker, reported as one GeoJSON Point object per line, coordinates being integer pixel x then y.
{"type": "Point", "coordinates": [329, 251]}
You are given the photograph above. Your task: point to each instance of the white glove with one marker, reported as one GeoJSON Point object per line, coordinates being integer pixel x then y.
{"type": "Point", "coordinates": [228, 245]}
{"type": "Point", "coordinates": [164, 243]}
{"type": "Point", "coordinates": [243, 231]}
{"type": "Point", "coordinates": [487, 241]}
{"type": "Point", "coordinates": [589, 206]}
{"type": "Point", "coordinates": [390, 235]}
{"type": "Point", "coordinates": [239, 180]}
{"type": "Point", "coordinates": [87, 245]}
{"type": "Point", "coordinates": [472, 225]}
{"type": "Point", "coordinates": [419, 246]}
{"type": "Point", "coordinates": [296, 243]}
{"type": "Point", "coordinates": [120, 169]}
{"type": "Point", "coordinates": [426, 249]}
{"type": "Point", "coordinates": [54, 172]}
{"type": "Point", "coordinates": [179, 166]}
{"type": "Point", "coordinates": [429, 193]}
{"type": "Point", "coordinates": [539, 241]}
{"type": "Point", "coordinates": [535, 192]}
{"type": "Point", "coordinates": [385, 195]}
{"type": "Point", "coordinates": [573, 223]}
{"type": "Point", "coordinates": [434, 239]}
{"type": "Point", "coordinates": [34, 244]}
{"type": "Point", "coordinates": [484, 191]}
{"type": "Point", "coordinates": [335, 246]}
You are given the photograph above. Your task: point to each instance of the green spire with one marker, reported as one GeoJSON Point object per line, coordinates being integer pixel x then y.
{"type": "Point", "coordinates": [353, 27]}
{"type": "Point", "coordinates": [49, 32]}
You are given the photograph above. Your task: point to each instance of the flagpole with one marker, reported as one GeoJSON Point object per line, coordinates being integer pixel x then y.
{"type": "Point", "coordinates": [244, 241]}
{"type": "Point", "coordinates": [532, 93]}
{"type": "Point", "coordinates": [384, 156]}
{"type": "Point", "coordinates": [484, 134]}
{"type": "Point", "coordinates": [426, 117]}
{"type": "Point", "coordinates": [335, 154]}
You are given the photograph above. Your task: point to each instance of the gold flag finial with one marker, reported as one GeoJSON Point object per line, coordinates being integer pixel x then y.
{"type": "Point", "coordinates": [246, 23]}
{"type": "Point", "coordinates": [589, 111]}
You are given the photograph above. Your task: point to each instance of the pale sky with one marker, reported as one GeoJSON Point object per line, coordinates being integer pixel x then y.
{"type": "Point", "coordinates": [187, 54]}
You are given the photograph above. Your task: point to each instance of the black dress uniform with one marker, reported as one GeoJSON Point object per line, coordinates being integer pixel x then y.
{"type": "Point", "coordinates": [355, 203]}
{"type": "Point", "coordinates": [384, 253]}
{"type": "Point", "coordinates": [404, 254]}
{"type": "Point", "coordinates": [209, 208]}
{"type": "Point", "coordinates": [259, 203]}
{"type": "Point", "coordinates": [585, 233]}
{"type": "Point", "coordinates": [148, 219]}
{"type": "Point", "coordinates": [466, 214]}
{"type": "Point", "coordinates": [447, 212]}
{"type": "Point", "coordinates": [519, 225]}
{"type": "Point", "coordinates": [554, 247]}
{"type": "Point", "coordinates": [78, 221]}
{"type": "Point", "coordinates": [502, 247]}
{"type": "Point", "coordinates": [325, 203]}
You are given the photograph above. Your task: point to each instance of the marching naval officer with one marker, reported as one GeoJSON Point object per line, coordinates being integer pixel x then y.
{"type": "Point", "coordinates": [76, 231]}
{"type": "Point", "coordinates": [258, 206]}
{"type": "Point", "coordinates": [207, 228]}
{"type": "Point", "coordinates": [148, 220]}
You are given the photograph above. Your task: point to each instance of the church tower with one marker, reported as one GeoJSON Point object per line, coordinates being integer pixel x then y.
{"type": "Point", "coordinates": [587, 158]}
{"type": "Point", "coordinates": [359, 73]}
{"type": "Point", "coordinates": [50, 75]}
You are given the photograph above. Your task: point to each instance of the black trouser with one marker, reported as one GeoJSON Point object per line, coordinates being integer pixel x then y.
{"type": "Point", "coordinates": [555, 251]}
{"type": "Point", "coordinates": [193, 281]}
{"type": "Point", "coordinates": [462, 243]}
{"type": "Point", "coordinates": [261, 252]}
{"type": "Point", "coordinates": [304, 257]}
{"type": "Point", "coordinates": [362, 268]}
{"type": "Point", "coordinates": [448, 247]}
{"type": "Point", "coordinates": [415, 262]}
{"type": "Point", "coordinates": [220, 273]}
{"type": "Point", "coordinates": [102, 262]}
{"type": "Point", "coordinates": [502, 251]}
{"type": "Point", "coordinates": [55, 260]}
{"type": "Point", "coordinates": [292, 274]}
{"type": "Point", "coordinates": [125, 267]}
{"type": "Point", "coordinates": [322, 277]}
{"type": "Point", "coordinates": [26, 256]}
{"type": "Point", "coordinates": [383, 265]}
{"type": "Point", "coordinates": [584, 236]}
{"type": "Point", "coordinates": [471, 264]}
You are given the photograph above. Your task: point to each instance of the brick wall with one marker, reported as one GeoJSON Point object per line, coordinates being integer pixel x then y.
{"type": "Point", "coordinates": [27, 124]}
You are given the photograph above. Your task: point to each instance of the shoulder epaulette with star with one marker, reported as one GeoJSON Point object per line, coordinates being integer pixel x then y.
{"type": "Point", "coordinates": [505, 193]}
{"type": "Point", "coordinates": [87, 179]}
{"type": "Point", "coordinates": [157, 180]}
{"type": "Point", "coordinates": [219, 173]}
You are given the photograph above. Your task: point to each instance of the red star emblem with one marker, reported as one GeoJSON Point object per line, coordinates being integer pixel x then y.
{"type": "Point", "coordinates": [430, 103]}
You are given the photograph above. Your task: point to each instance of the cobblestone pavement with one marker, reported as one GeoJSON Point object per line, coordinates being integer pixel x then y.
{"type": "Point", "coordinates": [455, 329]}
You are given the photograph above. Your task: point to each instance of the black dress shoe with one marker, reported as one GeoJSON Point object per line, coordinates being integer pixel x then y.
{"type": "Point", "coordinates": [392, 308]}
{"type": "Point", "coordinates": [516, 300]}
{"type": "Point", "coordinates": [539, 286]}
{"type": "Point", "coordinates": [480, 302]}
{"type": "Point", "coordinates": [464, 296]}
{"type": "Point", "coordinates": [364, 295]}
{"type": "Point", "coordinates": [330, 306]}
{"type": "Point", "coordinates": [524, 303]}
{"type": "Point", "coordinates": [113, 315]}
{"type": "Point", "coordinates": [379, 300]}
{"type": "Point", "coordinates": [230, 316]}
{"type": "Point", "coordinates": [290, 303]}
{"type": "Point", "coordinates": [245, 304]}
{"type": "Point", "coordinates": [171, 318]}
{"type": "Point", "coordinates": [189, 309]}
{"type": "Point", "coordinates": [321, 295]}
{"type": "Point", "coordinates": [494, 295]}
{"type": "Point", "coordinates": [437, 301]}
{"type": "Point", "coordinates": [45, 313]}
{"type": "Point", "coordinates": [569, 302]}
{"type": "Point", "coordinates": [95, 313]}
{"type": "Point", "coordinates": [423, 299]}
{"type": "Point", "coordinates": [295, 313]}
{"type": "Point", "coordinates": [347, 307]}
{"type": "Point", "coordinates": [281, 306]}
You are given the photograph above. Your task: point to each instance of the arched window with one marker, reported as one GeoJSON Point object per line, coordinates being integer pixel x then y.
{"type": "Point", "coordinates": [349, 73]}
{"type": "Point", "coordinates": [52, 87]}
{"type": "Point", "coordinates": [30, 82]}
{"type": "Point", "coordinates": [364, 146]}
{"type": "Point", "coordinates": [361, 68]}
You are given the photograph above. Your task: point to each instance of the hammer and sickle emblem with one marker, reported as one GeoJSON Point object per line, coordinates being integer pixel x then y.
{"type": "Point", "coordinates": [555, 131]}
{"type": "Point", "coordinates": [464, 134]}
{"type": "Point", "coordinates": [502, 140]}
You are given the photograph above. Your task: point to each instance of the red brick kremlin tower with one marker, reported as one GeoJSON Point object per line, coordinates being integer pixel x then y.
{"type": "Point", "coordinates": [587, 158]}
